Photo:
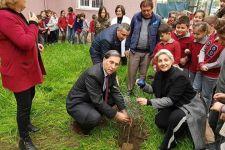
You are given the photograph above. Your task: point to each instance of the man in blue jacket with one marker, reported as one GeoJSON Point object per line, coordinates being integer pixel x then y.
{"type": "Point", "coordinates": [141, 42]}
{"type": "Point", "coordinates": [108, 39]}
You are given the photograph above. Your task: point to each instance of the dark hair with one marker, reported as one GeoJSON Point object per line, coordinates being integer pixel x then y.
{"type": "Point", "coordinates": [39, 17]}
{"type": "Point", "coordinates": [62, 12]}
{"type": "Point", "coordinates": [112, 53]}
{"type": "Point", "coordinates": [94, 16]}
{"type": "Point", "coordinates": [78, 16]}
{"type": "Point", "coordinates": [200, 11]}
{"type": "Point", "coordinates": [82, 15]}
{"type": "Point", "coordinates": [211, 20]}
{"type": "Point", "coordinates": [146, 3]}
{"type": "Point", "coordinates": [122, 9]}
{"type": "Point", "coordinates": [70, 9]}
{"type": "Point", "coordinates": [164, 28]}
{"type": "Point", "coordinates": [220, 26]}
{"type": "Point", "coordinates": [202, 26]}
{"type": "Point", "coordinates": [100, 11]}
{"type": "Point", "coordinates": [183, 20]}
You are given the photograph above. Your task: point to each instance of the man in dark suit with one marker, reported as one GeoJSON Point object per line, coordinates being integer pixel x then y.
{"type": "Point", "coordinates": [108, 39]}
{"type": "Point", "coordinates": [94, 94]}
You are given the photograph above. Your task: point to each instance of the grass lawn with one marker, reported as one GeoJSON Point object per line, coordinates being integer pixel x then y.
{"type": "Point", "coordinates": [64, 63]}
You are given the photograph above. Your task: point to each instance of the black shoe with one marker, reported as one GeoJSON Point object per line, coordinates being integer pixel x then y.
{"type": "Point", "coordinates": [77, 129]}
{"type": "Point", "coordinates": [32, 128]}
{"type": "Point", "coordinates": [26, 144]}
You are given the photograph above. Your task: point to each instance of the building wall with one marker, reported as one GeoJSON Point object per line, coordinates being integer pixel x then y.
{"type": "Point", "coordinates": [131, 6]}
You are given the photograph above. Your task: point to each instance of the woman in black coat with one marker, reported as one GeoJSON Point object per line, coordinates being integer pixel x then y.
{"type": "Point", "coordinates": [176, 101]}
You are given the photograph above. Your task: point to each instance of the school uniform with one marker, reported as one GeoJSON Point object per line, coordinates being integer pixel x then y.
{"type": "Point", "coordinates": [184, 41]}
{"type": "Point", "coordinates": [171, 45]}
{"type": "Point", "coordinates": [212, 55]}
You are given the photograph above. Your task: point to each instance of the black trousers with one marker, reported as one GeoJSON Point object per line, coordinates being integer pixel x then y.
{"type": "Point", "coordinates": [171, 120]}
{"type": "Point", "coordinates": [86, 115]}
{"type": "Point", "coordinates": [24, 103]}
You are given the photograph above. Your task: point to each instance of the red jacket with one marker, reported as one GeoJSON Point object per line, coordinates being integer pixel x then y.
{"type": "Point", "coordinates": [62, 23]}
{"type": "Point", "coordinates": [20, 62]}
{"type": "Point", "coordinates": [42, 26]}
{"type": "Point", "coordinates": [184, 41]}
{"type": "Point", "coordinates": [173, 46]}
{"type": "Point", "coordinates": [71, 18]}
{"type": "Point", "coordinates": [195, 48]}
{"type": "Point", "coordinates": [92, 26]}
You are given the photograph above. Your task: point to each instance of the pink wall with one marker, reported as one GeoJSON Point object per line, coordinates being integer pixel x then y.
{"type": "Point", "coordinates": [131, 6]}
{"type": "Point", "coordinates": [34, 6]}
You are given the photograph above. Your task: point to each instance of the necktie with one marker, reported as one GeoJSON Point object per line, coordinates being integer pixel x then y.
{"type": "Point", "coordinates": [106, 88]}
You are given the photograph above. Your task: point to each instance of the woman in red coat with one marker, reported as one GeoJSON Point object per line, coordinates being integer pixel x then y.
{"type": "Point", "coordinates": [20, 63]}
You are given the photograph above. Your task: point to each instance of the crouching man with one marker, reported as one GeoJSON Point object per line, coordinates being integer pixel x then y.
{"type": "Point", "coordinates": [94, 94]}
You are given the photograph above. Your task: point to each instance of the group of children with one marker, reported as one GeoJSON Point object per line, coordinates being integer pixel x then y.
{"type": "Point", "coordinates": [197, 48]}
{"type": "Point", "coordinates": [71, 26]}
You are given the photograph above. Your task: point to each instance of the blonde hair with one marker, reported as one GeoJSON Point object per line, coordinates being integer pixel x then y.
{"type": "Point", "coordinates": [164, 51]}
{"type": "Point", "coordinates": [7, 3]}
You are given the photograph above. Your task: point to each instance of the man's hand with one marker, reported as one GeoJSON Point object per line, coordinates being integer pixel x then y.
{"type": "Point", "coordinates": [126, 53]}
{"type": "Point", "coordinates": [142, 101]}
{"type": "Point", "coordinates": [219, 96]}
{"type": "Point", "coordinates": [40, 47]}
{"type": "Point", "coordinates": [217, 106]}
{"type": "Point", "coordinates": [122, 117]}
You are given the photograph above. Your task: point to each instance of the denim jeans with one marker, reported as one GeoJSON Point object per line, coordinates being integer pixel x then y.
{"type": "Point", "coordinates": [205, 85]}
{"type": "Point", "coordinates": [190, 74]}
{"type": "Point", "coordinates": [70, 35]}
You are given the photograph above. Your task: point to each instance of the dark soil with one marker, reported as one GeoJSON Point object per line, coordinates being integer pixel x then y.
{"type": "Point", "coordinates": [131, 139]}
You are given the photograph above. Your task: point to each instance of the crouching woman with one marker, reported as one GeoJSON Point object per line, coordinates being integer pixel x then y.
{"type": "Point", "coordinates": [176, 101]}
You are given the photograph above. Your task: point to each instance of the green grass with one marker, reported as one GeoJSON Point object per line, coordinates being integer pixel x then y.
{"type": "Point", "coordinates": [64, 63]}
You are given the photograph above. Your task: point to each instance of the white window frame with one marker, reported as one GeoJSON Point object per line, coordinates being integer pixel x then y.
{"type": "Point", "coordinates": [87, 7]}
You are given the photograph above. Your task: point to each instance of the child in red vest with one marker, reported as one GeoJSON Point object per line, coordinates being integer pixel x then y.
{"type": "Point", "coordinates": [210, 59]}
{"type": "Point", "coordinates": [62, 23]}
{"type": "Point", "coordinates": [167, 42]}
{"type": "Point", "coordinates": [200, 31]}
{"type": "Point", "coordinates": [184, 37]}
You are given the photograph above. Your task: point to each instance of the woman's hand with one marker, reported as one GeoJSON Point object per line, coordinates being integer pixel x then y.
{"type": "Point", "coordinates": [32, 17]}
{"type": "Point", "coordinates": [217, 106]}
{"type": "Point", "coordinates": [40, 47]}
{"type": "Point", "coordinates": [219, 96]}
{"type": "Point", "coordinates": [142, 101]}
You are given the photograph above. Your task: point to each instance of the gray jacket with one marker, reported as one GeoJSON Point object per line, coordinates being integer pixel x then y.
{"type": "Point", "coordinates": [195, 112]}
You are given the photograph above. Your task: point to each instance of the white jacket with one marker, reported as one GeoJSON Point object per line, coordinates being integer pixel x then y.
{"type": "Point", "coordinates": [124, 20]}
{"type": "Point", "coordinates": [53, 24]}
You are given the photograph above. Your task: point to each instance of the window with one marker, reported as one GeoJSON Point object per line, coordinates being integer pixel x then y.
{"type": "Point", "coordinates": [90, 4]}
